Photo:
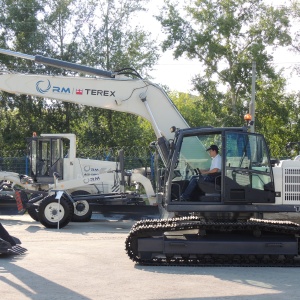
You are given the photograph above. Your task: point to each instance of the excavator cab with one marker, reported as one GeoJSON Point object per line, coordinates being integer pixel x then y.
{"type": "Point", "coordinates": [221, 223]}
{"type": "Point", "coordinates": [46, 158]}
{"type": "Point", "coordinates": [245, 177]}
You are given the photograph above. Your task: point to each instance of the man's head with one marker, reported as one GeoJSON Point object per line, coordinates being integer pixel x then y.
{"type": "Point", "coordinates": [213, 150]}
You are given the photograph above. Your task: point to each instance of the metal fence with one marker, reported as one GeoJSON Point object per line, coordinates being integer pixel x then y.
{"type": "Point", "coordinates": [14, 161]}
{"type": "Point", "coordinates": [135, 157]}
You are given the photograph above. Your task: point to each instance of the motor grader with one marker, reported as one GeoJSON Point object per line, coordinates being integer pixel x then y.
{"type": "Point", "coordinates": [88, 185]}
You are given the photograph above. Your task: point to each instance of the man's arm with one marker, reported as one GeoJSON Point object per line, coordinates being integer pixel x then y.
{"type": "Point", "coordinates": [214, 170]}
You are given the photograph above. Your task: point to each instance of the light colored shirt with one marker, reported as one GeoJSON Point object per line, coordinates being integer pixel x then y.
{"type": "Point", "coordinates": [216, 162]}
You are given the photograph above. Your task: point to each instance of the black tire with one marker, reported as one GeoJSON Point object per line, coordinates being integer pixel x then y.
{"type": "Point", "coordinates": [50, 215]}
{"type": "Point", "coordinates": [84, 211]}
{"type": "Point", "coordinates": [33, 212]}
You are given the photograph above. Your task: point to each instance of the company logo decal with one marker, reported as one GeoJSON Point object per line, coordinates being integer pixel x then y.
{"type": "Point", "coordinates": [104, 93]}
{"type": "Point", "coordinates": [45, 86]}
{"type": "Point", "coordinates": [42, 87]}
{"type": "Point", "coordinates": [91, 179]}
{"type": "Point", "coordinates": [61, 90]}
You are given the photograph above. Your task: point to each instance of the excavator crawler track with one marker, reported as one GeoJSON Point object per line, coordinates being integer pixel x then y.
{"type": "Point", "coordinates": [191, 241]}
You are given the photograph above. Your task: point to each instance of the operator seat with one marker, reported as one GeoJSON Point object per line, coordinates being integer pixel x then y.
{"type": "Point", "coordinates": [211, 190]}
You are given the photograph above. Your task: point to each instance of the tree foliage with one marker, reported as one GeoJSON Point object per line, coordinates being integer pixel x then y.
{"type": "Point", "coordinates": [227, 36]}
{"type": "Point", "coordinates": [295, 15]}
{"type": "Point", "coordinates": [94, 33]}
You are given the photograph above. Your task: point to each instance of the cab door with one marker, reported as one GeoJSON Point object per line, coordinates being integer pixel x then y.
{"type": "Point", "coordinates": [46, 158]}
{"type": "Point", "coordinates": [248, 176]}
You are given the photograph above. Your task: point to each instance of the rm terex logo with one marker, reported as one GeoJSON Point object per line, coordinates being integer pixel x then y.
{"type": "Point", "coordinates": [44, 86]}
{"type": "Point", "coordinates": [105, 93]}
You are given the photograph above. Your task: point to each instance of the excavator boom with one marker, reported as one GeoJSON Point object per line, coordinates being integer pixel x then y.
{"type": "Point", "coordinates": [114, 92]}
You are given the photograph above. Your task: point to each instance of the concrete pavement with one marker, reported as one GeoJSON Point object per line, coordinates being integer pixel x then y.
{"type": "Point", "coordinates": [88, 261]}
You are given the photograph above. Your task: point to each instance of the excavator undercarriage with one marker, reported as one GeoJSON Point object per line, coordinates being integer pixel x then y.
{"type": "Point", "coordinates": [191, 241]}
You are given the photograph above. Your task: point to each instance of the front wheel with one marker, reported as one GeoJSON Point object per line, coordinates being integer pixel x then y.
{"type": "Point", "coordinates": [33, 212]}
{"type": "Point", "coordinates": [55, 214]}
{"type": "Point", "coordinates": [82, 209]}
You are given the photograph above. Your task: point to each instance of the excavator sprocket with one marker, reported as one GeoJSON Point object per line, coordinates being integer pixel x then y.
{"type": "Point", "coordinates": [191, 241]}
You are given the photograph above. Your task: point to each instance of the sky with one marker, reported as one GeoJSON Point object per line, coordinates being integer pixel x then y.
{"type": "Point", "coordinates": [177, 74]}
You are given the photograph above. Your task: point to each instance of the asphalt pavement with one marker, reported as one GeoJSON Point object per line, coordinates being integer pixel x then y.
{"type": "Point", "coordinates": [88, 261]}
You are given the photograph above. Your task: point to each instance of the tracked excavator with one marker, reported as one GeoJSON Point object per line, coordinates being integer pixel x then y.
{"type": "Point", "coordinates": [223, 221]}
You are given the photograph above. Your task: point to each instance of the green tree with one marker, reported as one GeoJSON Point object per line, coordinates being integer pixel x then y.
{"type": "Point", "coordinates": [95, 33]}
{"type": "Point", "coordinates": [111, 43]}
{"type": "Point", "coordinates": [196, 111]}
{"type": "Point", "coordinates": [295, 14]}
{"type": "Point", "coordinates": [275, 115]}
{"type": "Point", "coordinates": [226, 36]}
{"type": "Point", "coordinates": [19, 30]}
